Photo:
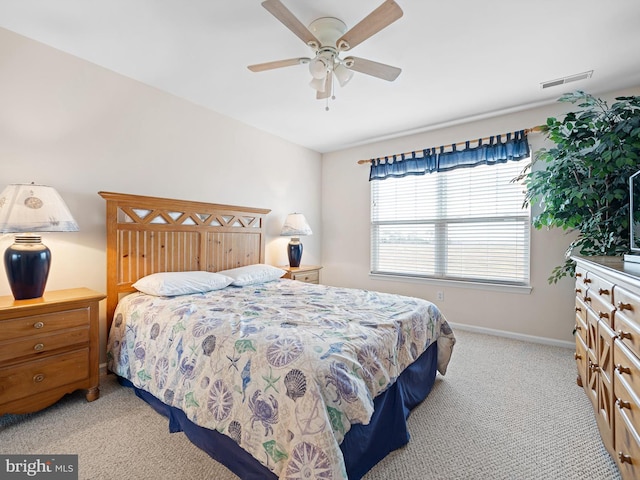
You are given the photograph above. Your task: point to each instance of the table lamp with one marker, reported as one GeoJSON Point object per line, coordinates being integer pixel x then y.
{"type": "Point", "coordinates": [295, 226]}
{"type": "Point", "coordinates": [27, 210]}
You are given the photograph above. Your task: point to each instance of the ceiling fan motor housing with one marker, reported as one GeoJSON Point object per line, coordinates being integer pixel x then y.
{"type": "Point", "coordinates": [328, 30]}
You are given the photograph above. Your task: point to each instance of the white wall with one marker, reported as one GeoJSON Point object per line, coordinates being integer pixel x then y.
{"type": "Point", "coordinates": [80, 128]}
{"type": "Point", "coordinates": [546, 312]}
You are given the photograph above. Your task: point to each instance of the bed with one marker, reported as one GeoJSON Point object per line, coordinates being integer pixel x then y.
{"type": "Point", "coordinates": [272, 377]}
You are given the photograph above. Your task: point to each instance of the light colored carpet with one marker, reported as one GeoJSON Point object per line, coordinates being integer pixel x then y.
{"type": "Point", "coordinates": [505, 410]}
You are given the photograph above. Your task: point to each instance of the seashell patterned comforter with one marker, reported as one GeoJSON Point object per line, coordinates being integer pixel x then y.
{"type": "Point", "coordinates": [284, 368]}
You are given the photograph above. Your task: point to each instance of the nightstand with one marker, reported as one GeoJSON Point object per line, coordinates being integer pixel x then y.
{"type": "Point", "coordinates": [303, 273]}
{"type": "Point", "coordinates": [49, 347]}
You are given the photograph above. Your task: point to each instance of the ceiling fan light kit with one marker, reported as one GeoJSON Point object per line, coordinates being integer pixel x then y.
{"type": "Point", "coordinates": [327, 37]}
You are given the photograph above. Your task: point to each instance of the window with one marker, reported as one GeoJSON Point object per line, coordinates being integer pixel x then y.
{"type": "Point", "coordinates": [466, 224]}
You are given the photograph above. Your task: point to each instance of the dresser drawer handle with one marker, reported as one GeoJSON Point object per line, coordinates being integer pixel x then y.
{"type": "Point", "coordinates": [578, 290]}
{"type": "Point", "coordinates": [621, 369]}
{"type": "Point", "coordinates": [622, 403]}
{"type": "Point", "coordinates": [577, 327]}
{"type": "Point", "coordinates": [38, 347]}
{"type": "Point", "coordinates": [594, 367]}
{"type": "Point", "coordinates": [603, 315]}
{"type": "Point", "coordinates": [578, 274]}
{"type": "Point", "coordinates": [38, 378]}
{"type": "Point", "coordinates": [587, 280]}
{"type": "Point", "coordinates": [622, 335]}
{"type": "Point", "coordinates": [624, 458]}
{"type": "Point", "coordinates": [578, 309]}
{"type": "Point", "coordinates": [587, 299]}
{"type": "Point", "coordinates": [577, 356]}
{"type": "Point", "coordinates": [603, 291]}
{"type": "Point", "coordinates": [38, 325]}
{"type": "Point", "coordinates": [624, 306]}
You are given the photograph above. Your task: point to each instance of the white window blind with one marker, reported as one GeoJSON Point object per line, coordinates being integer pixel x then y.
{"type": "Point", "coordinates": [466, 224]}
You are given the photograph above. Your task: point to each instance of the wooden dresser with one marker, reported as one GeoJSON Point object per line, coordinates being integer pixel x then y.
{"type": "Point", "coordinates": [303, 273]}
{"type": "Point", "coordinates": [48, 347]}
{"type": "Point", "coordinates": [608, 353]}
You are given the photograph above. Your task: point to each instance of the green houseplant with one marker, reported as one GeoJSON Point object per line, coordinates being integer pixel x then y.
{"type": "Point", "coordinates": [583, 185]}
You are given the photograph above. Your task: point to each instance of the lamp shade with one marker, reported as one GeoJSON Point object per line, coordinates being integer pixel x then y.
{"type": "Point", "coordinates": [34, 208]}
{"type": "Point", "coordinates": [295, 225]}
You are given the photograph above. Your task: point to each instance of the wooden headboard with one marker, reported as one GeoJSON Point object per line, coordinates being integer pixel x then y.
{"type": "Point", "coordinates": [151, 234]}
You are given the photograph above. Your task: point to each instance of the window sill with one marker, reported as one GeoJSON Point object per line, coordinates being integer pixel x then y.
{"type": "Point", "coordinates": [496, 287]}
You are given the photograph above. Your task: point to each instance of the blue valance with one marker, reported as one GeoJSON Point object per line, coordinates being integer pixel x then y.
{"type": "Point", "coordinates": [515, 147]}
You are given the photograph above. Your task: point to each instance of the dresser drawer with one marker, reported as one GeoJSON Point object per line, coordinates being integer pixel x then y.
{"type": "Point", "coordinates": [39, 324]}
{"type": "Point", "coordinates": [581, 286]}
{"type": "Point", "coordinates": [601, 287]}
{"type": "Point", "coordinates": [308, 277]}
{"type": "Point", "coordinates": [39, 344]}
{"type": "Point", "coordinates": [601, 306]}
{"type": "Point", "coordinates": [627, 303]}
{"type": "Point", "coordinates": [625, 401]}
{"type": "Point", "coordinates": [36, 376]}
{"type": "Point", "coordinates": [628, 331]}
{"type": "Point", "coordinates": [627, 368]}
{"type": "Point", "coordinates": [626, 445]}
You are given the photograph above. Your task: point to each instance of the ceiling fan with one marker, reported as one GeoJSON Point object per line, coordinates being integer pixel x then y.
{"type": "Point", "coordinates": [328, 37]}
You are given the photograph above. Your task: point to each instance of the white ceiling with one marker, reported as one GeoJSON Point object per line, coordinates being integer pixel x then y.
{"type": "Point", "coordinates": [460, 59]}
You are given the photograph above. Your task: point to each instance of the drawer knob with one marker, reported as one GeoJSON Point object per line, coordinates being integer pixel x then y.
{"type": "Point", "coordinates": [622, 335]}
{"type": "Point", "coordinates": [587, 298]}
{"type": "Point", "coordinates": [38, 347]}
{"type": "Point", "coordinates": [603, 315]}
{"type": "Point", "coordinates": [38, 325]}
{"type": "Point", "coordinates": [577, 356]}
{"type": "Point", "coordinates": [621, 369]}
{"type": "Point", "coordinates": [622, 403]}
{"type": "Point", "coordinates": [624, 306]}
{"type": "Point", "coordinates": [578, 290]}
{"type": "Point", "coordinates": [578, 309]}
{"type": "Point", "coordinates": [587, 280]}
{"type": "Point", "coordinates": [603, 291]}
{"type": "Point", "coordinates": [594, 367]}
{"type": "Point", "coordinates": [577, 327]}
{"type": "Point", "coordinates": [38, 378]}
{"type": "Point", "coordinates": [624, 458]}
{"type": "Point", "coordinates": [578, 274]}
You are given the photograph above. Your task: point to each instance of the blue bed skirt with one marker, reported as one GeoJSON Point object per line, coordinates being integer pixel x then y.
{"type": "Point", "coordinates": [363, 446]}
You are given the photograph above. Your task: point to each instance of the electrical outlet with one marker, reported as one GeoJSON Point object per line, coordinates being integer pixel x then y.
{"type": "Point", "coordinates": [440, 296]}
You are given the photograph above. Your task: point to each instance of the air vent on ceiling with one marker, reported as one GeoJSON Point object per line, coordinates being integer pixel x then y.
{"type": "Point", "coordinates": [570, 78]}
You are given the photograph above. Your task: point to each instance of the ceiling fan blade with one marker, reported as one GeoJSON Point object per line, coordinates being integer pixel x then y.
{"type": "Point", "coordinates": [289, 20]}
{"type": "Point", "coordinates": [327, 87]}
{"type": "Point", "coordinates": [261, 67]}
{"type": "Point", "coordinates": [381, 17]}
{"type": "Point", "coordinates": [380, 70]}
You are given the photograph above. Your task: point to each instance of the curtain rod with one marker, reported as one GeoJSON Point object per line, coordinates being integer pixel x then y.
{"type": "Point", "coordinates": [526, 131]}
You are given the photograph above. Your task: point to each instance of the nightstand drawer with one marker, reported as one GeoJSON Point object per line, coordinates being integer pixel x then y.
{"type": "Point", "coordinates": [308, 277]}
{"type": "Point", "coordinates": [39, 344]}
{"type": "Point", "coordinates": [39, 324]}
{"type": "Point", "coordinates": [36, 376]}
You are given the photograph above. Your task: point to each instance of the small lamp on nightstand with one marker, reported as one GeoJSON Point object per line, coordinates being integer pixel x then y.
{"type": "Point", "coordinates": [28, 209]}
{"type": "Point", "coordinates": [295, 226]}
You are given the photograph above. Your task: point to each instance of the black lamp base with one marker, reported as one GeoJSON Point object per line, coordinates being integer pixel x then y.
{"type": "Point", "coordinates": [295, 252]}
{"type": "Point", "coordinates": [27, 263]}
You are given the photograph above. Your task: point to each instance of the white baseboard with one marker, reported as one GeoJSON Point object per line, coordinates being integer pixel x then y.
{"type": "Point", "coordinates": [515, 336]}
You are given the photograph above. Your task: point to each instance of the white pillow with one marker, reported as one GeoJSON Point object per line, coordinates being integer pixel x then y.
{"type": "Point", "coordinates": [170, 284]}
{"type": "Point", "coordinates": [252, 274]}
